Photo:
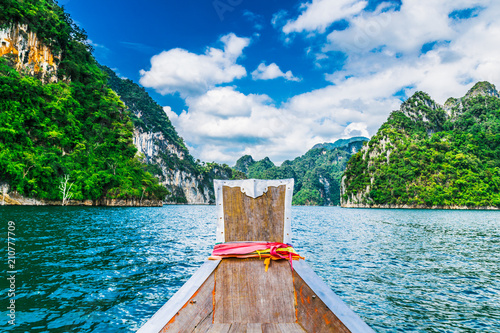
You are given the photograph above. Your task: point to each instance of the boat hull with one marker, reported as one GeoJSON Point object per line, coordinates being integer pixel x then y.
{"type": "Point", "coordinates": [237, 295]}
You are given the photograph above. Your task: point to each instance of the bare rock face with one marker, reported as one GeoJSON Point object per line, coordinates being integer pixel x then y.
{"type": "Point", "coordinates": [27, 54]}
{"type": "Point", "coordinates": [185, 185]}
{"type": "Point", "coordinates": [401, 167]}
{"type": "Point", "coordinates": [482, 88]}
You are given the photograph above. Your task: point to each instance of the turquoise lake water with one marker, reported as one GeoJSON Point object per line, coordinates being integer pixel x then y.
{"type": "Point", "coordinates": [110, 269]}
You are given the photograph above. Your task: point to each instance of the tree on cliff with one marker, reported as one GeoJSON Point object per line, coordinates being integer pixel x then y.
{"type": "Point", "coordinates": [65, 189]}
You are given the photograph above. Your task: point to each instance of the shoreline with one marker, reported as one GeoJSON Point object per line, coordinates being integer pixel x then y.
{"type": "Point", "coordinates": [419, 207]}
{"type": "Point", "coordinates": [16, 200]}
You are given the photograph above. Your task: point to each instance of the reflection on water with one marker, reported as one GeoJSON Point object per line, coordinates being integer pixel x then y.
{"type": "Point", "coordinates": [110, 269]}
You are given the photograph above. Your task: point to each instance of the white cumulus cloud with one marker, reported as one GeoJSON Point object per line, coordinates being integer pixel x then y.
{"type": "Point", "coordinates": [441, 47]}
{"type": "Point", "coordinates": [179, 70]}
{"type": "Point", "coordinates": [319, 14]}
{"type": "Point", "coordinates": [224, 124]}
{"type": "Point", "coordinates": [356, 129]}
{"type": "Point", "coordinates": [265, 72]}
{"type": "Point", "coordinates": [406, 30]}
{"type": "Point", "coordinates": [422, 46]}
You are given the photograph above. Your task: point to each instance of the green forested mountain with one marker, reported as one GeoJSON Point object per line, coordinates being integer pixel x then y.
{"type": "Point", "coordinates": [163, 150]}
{"type": "Point", "coordinates": [317, 173]}
{"type": "Point", "coordinates": [149, 117]}
{"type": "Point", "coordinates": [146, 114]}
{"type": "Point", "coordinates": [429, 155]}
{"type": "Point", "coordinates": [69, 124]}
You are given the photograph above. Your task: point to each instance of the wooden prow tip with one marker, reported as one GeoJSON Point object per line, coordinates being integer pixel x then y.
{"type": "Point", "coordinates": [254, 210]}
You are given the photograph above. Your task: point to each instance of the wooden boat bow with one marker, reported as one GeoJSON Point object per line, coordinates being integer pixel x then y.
{"type": "Point", "coordinates": [237, 295]}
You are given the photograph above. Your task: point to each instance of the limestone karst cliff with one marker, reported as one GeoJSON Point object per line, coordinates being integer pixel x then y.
{"type": "Point", "coordinates": [164, 150]}
{"type": "Point", "coordinates": [61, 119]}
{"type": "Point", "coordinates": [317, 173]}
{"type": "Point", "coordinates": [27, 53]}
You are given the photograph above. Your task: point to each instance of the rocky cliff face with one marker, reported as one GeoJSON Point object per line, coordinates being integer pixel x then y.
{"type": "Point", "coordinates": [185, 185]}
{"type": "Point", "coordinates": [75, 130]}
{"type": "Point", "coordinates": [154, 136]}
{"type": "Point", "coordinates": [164, 150]}
{"type": "Point", "coordinates": [27, 54]}
{"type": "Point", "coordinates": [454, 107]}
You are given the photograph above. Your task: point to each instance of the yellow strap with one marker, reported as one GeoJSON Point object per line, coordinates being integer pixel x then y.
{"type": "Point", "coordinates": [267, 261]}
{"type": "Point", "coordinates": [289, 249]}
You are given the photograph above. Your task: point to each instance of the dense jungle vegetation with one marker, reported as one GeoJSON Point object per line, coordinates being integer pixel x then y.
{"type": "Point", "coordinates": [316, 174]}
{"type": "Point", "coordinates": [76, 126]}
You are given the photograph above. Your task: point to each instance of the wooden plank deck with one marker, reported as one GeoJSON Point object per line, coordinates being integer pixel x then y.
{"type": "Point", "coordinates": [180, 299]}
{"type": "Point", "coordinates": [197, 311]}
{"type": "Point", "coordinates": [254, 328]}
{"type": "Point", "coordinates": [239, 296]}
{"type": "Point", "coordinates": [319, 308]}
{"type": "Point", "coordinates": [245, 293]}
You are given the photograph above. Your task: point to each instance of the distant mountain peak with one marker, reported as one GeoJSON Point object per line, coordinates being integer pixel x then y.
{"type": "Point", "coordinates": [424, 157]}
{"type": "Point", "coordinates": [450, 103]}
{"type": "Point", "coordinates": [416, 102]}
{"type": "Point", "coordinates": [267, 159]}
{"type": "Point", "coordinates": [340, 143]}
{"type": "Point", "coordinates": [246, 159]}
{"type": "Point", "coordinates": [243, 163]}
{"type": "Point", "coordinates": [482, 88]}
{"type": "Point", "coordinates": [424, 112]}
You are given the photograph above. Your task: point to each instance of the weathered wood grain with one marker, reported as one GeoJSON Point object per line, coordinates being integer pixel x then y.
{"type": "Point", "coordinates": [259, 219]}
{"type": "Point", "coordinates": [245, 293]}
{"type": "Point", "coordinates": [238, 296]}
{"type": "Point", "coordinates": [345, 315]}
{"type": "Point", "coordinates": [180, 298]}
{"type": "Point", "coordinates": [291, 328]}
{"type": "Point", "coordinates": [195, 311]}
{"type": "Point", "coordinates": [205, 325]}
{"type": "Point", "coordinates": [238, 328]}
{"type": "Point", "coordinates": [220, 328]}
{"type": "Point", "coordinates": [271, 328]}
{"type": "Point", "coordinates": [312, 313]}
{"type": "Point", "coordinates": [254, 328]}
{"type": "Point", "coordinates": [205, 328]}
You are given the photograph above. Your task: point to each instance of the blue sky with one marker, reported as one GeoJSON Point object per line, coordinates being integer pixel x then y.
{"type": "Point", "coordinates": [273, 78]}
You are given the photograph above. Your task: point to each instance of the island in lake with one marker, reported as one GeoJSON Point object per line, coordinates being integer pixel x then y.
{"type": "Point", "coordinates": [431, 156]}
